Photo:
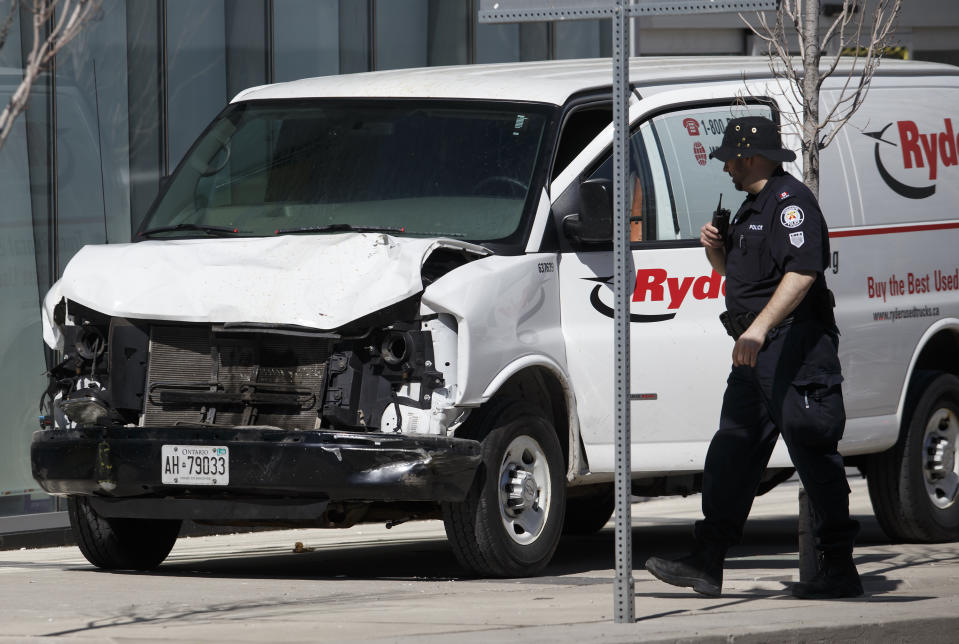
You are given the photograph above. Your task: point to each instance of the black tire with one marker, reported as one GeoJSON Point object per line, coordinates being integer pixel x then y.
{"type": "Point", "coordinates": [493, 534]}
{"type": "Point", "coordinates": [120, 544]}
{"type": "Point", "coordinates": [914, 491]}
{"type": "Point", "coordinates": [589, 513]}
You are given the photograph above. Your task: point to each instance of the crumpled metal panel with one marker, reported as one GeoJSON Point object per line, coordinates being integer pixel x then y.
{"type": "Point", "coordinates": [316, 281]}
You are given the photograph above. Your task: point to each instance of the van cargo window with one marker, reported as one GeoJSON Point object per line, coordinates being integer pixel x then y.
{"type": "Point", "coordinates": [674, 184]}
{"type": "Point", "coordinates": [685, 138]}
{"type": "Point", "coordinates": [428, 168]}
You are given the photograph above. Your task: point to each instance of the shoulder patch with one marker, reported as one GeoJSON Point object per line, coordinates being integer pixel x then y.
{"type": "Point", "coordinates": [797, 239]}
{"type": "Point", "coordinates": [785, 194]}
{"type": "Point", "coordinates": [792, 216]}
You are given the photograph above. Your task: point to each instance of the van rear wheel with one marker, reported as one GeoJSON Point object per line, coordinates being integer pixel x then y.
{"type": "Point", "coordinates": [120, 544]}
{"type": "Point", "coordinates": [914, 486]}
{"type": "Point", "coordinates": [510, 522]}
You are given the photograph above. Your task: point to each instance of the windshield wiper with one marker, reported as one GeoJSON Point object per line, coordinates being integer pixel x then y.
{"type": "Point", "coordinates": [335, 228]}
{"type": "Point", "coordinates": [218, 231]}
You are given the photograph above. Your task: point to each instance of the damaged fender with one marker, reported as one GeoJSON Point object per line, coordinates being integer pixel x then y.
{"type": "Point", "coordinates": [508, 319]}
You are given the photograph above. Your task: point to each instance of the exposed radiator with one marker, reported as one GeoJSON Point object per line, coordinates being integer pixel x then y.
{"type": "Point", "coordinates": [196, 375]}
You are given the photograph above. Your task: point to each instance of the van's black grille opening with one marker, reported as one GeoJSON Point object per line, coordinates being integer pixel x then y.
{"type": "Point", "coordinates": [200, 376]}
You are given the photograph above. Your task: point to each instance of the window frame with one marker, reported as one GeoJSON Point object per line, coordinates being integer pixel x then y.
{"type": "Point", "coordinates": [568, 202]}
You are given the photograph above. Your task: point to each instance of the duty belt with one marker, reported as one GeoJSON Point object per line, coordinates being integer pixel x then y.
{"type": "Point", "coordinates": [737, 323]}
{"type": "Point", "coordinates": [818, 307]}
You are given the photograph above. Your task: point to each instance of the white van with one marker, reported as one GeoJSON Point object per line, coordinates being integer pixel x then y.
{"type": "Point", "coordinates": [387, 296]}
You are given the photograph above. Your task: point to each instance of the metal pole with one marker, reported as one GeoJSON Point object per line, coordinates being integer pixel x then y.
{"type": "Point", "coordinates": [501, 11]}
{"type": "Point", "coordinates": [622, 264]}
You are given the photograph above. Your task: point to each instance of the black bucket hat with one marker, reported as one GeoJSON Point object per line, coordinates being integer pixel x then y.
{"type": "Point", "coordinates": [752, 136]}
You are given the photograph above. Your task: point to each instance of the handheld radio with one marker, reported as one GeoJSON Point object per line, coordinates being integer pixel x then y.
{"type": "Point", "coordinates": [721, 218]}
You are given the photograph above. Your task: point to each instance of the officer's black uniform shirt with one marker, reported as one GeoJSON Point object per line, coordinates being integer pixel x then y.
{"type": "Point", "coordinates": [779, 230]}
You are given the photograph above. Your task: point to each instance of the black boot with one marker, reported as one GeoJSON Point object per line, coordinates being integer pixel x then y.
{"type": "Point", "coordinates": [837, 577]}
{"type": "Point", "coordinates": [702, 571]}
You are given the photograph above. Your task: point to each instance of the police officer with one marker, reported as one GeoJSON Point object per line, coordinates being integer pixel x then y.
{"type": "Point", "coordinates": [785, 377]}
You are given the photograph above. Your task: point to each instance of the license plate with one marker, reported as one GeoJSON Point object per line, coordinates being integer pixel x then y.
{"type": "Point", "coordinates": [195, 465]}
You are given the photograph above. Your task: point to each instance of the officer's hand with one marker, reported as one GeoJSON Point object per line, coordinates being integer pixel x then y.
{"type": "Point", "coordinates": [709, 236]}
{"type": "Point", "coordinates": [747, 347]}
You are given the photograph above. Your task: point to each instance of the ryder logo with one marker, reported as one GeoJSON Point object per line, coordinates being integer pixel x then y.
{"type": "Point", "coordinates": [928, 150]}
{"type": "Point", "coordinates": [655, 285]}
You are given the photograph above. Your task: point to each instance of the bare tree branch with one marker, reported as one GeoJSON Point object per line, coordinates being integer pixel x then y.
{"type": "Point", "coordinates": [859, 49]}
{"type": "Point", "coordinates": [68, 18]}
{"type": "Point", "coordinates": [777, 52]}
{"type": "Point", "coordinates": [8, 21]}
{"type": "Point", "coordinates": [851, 99]}
{"type": "Point", "coordinates": [793, 10]}
{"type": "Point", "coordinates": [841, 22]}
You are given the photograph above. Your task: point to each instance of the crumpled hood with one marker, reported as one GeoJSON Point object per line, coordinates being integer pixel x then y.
{"type": "Point", "coordinates": [317, 281]}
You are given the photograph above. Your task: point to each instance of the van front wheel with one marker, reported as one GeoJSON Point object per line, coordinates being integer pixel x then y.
{"type": "Point", "coordinates": [510, 522]}
{"type": "Point", "coordinates": [914, 486]}
{"type": "Point", "coordinates": [120, 544]}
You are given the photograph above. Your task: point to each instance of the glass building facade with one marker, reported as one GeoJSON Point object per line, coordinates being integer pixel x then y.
{"type": "Point", "coordinates": [132, 91]}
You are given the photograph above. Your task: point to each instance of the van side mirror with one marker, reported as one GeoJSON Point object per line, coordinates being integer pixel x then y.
{"type": "Point", "coordinates": [594, 223]}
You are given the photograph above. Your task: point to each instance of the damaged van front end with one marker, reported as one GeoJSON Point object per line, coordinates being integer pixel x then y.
{"type": "Point", "coordinates": [200, 391]}
{"type": "Point", "coordinates": [266, 351]}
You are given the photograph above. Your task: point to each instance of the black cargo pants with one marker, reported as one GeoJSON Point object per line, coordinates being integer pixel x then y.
{"type": "Point", "coordinates": [793, 390]}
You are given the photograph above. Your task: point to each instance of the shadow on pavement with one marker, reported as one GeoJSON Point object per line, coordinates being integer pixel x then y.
{"type": "Point", "coordinates": [769, 543]}
{"type": "Point", "coordinates": [427, 560]}
{"type": "Point", "coordinates": [134, 615]}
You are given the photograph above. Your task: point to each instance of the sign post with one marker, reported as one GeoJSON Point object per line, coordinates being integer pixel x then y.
{"type": "Point", "coordinates": [499, 11]}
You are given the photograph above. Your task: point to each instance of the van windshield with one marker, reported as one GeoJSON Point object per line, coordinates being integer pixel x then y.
{"type": "Point", "coordinates": [420, 168]}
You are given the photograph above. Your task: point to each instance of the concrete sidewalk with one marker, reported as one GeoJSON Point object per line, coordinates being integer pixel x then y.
{"type": "Point", "coordinates": [403, 585]}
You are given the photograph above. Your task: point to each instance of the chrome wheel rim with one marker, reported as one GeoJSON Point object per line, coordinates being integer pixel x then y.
{"type": "Point", "coordinates": [524, 490]}
{"type": "Point", "coordinates": [940, 466]}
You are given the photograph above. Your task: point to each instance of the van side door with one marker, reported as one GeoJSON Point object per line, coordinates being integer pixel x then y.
{"type": "Point", "coordinates": [680, 354]}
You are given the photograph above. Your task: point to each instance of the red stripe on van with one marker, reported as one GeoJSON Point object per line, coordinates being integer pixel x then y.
{"type": "Point", "coordinates": [855, 232]}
